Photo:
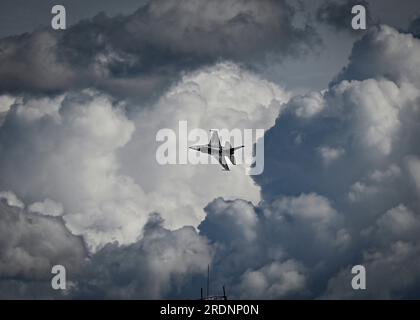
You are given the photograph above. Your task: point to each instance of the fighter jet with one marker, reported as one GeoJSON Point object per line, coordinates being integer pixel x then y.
{"type": "Point", "coordinates": [215, 149]}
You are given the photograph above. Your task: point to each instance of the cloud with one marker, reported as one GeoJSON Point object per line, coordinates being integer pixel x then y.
{"type": "Point", "coordinates": [273, 281]}
{"type": "Point", "coordinates": [293, 232]}
{"type": "Point", "coordinates": [381, 45]}
{"type": "Point", "coordinates": [161, 263]}
{"type": "Point", "coordinates": [399, 221]}
{"type": "Point", "coordinates": [413, 164]}
{"type": "Point", "coordinates": [391, 259]}
{"type": "Point", "coordinates": [133, 55]}
{"type": "Point", "coordinates": [359, 190]}
{"type": "Point", "coordinates": [30, 245]}
{"type": "Point", "coordinates": [63, 149]}
{"type": "Point", "coordinates": [330, 154]}
{"type": "Point", "coordinates": [307, 105]}
{"type": "Point", "coordinates": [233, 220]}
{"type": "Point", "coordinates": [368, 113]}
{"type": "Point", "coordinates": [81, 152]}
{"type": "Point", "coordinates": [414, 27]}
{"type": "Point", "coordinates": [221, 96]}
{"type": "Point", "coordinates": [47, 207]}
{"type": "Point", "coordinates": [6, 102]}
{"type": "Point", "coordinates": [390, 274]}
{"type": "Point", "coordinates": [338, 15]}
{"type": "Point", "coordinates": [321, 220]}
{"type": "Point", "coordinates": [11, 199]}
{"type": "Point", "coordinates": [265, 251]}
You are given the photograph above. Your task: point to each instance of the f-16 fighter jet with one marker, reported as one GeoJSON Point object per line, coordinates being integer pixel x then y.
{"type": "Point", "coordinates": [215, 149]}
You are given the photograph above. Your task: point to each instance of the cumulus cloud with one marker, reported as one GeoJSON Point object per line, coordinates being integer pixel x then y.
{"type": "Point", "coordinates": [230, 221]}
{"type": "Point", "coordinates": [6, 102]}
{"type": "Point", "coordinates": [11, 199]}
{"type": "Point", "coordinates": [399, 221]}
{"type": "Point", "coordinates": [160, 264]}
{"type": "Point", "coordinates": [47, 207]}
{"type": "Point", "coordinates": [82, 152]}
{"type": "Point", "coordinates": [369, 114]}
{"type": "Point", "coordinates": [330, 154]}
{"type": "Point", "coordinates": [63, 149]}
{"type": "Point", "coordinates": [392, 172]}
{"type": "Point", "coordinates": [265, 251]}
{"type": "Point", "coordinates": [391, 274]}
{"type": "Point", "coordinates": [273, 281]}
{"type": "Point", "coordinates": [307, 105]}
{"type": "Point", "coordinates": [30, 245]}
{"type": "Point", "coordinates": [372, 55]}
{"type": "Point", "coordinates": [307, 227]}
{"type": "Point", "coordinates": [222, 96]}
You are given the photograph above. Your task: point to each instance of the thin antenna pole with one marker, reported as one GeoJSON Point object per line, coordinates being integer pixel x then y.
{"type": "Point", "coordinates": [208, 280]}
{"type": "Point", "coordinates": [201, 293]}
{"type": "Point", "coordinates": [224, 293]}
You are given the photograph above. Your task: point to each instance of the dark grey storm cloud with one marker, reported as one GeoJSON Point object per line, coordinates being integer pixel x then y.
{"type": "Point", "coordinates": [139, 53]}
{"type": "Point", "coordinates": [162, 264]}
{"type": "Point", "coordinates": [337, 14]}
{"type": "Point", "coordinates": [20, 16]}
{"type": "Point", "coordinates": [30, 244]}
{"type": "Point", "coordinates": [414, 27]}
{"type": "Point", "coordinates": [158, 265]}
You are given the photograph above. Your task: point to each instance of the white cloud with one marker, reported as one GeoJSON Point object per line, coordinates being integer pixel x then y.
{"type": "Point", "coordinates": [32, 244]}
{"type": "Point", "coordinates": [309, 207]}
{"type": "Point", "coordinates": [82, 151]}
{"type": "Point", "coordinates": [385, 53]}
{"type": "Point", "coordinates": [221, 96]}
{"type": "Point", "coordinates": [329, 154]}
{"type": "Point", "coordinates": [64, 149]}
{"type": "Point", "coordinates": [239, 215]}
{"type": "Point", "coordinates": [307, 105]}
{"type": "Point", "coordinates": [391, 172]}
{"type": "Point", "coordinates": [373, 107]}
{"type": "Point", "coordinates": [399, 221]}
{"type": "Point", "coordinates": [162, 262]}
{"type": "Point", "coordinates": [11, 199]}
{"type": "Point", "coordinates": [273, 281]}
{"type": "Point", "coordinates": [262, 252]}
{"type": "Point", "coordinates": [47, 207]}
{"type": "Point", "coordinates": [6, 101]}
{"type": "Point", "coordinates": [360, 191]}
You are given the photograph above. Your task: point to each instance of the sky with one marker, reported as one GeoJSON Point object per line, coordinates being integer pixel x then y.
{"type": "Point", "coordinates": [80, 185]}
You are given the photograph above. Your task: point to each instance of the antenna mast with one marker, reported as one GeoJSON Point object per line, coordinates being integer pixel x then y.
{"type": "Point", "coordinates": [208, 280]}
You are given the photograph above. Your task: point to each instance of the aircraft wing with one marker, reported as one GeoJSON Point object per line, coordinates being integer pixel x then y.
{"type": "Point", "coordinates": [214, 140]}
{"type": "Point", "coordinates": [223, 163]}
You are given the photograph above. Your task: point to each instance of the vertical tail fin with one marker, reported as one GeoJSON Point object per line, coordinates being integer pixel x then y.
{"type": "Point", "coordinates": [232, 154]}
